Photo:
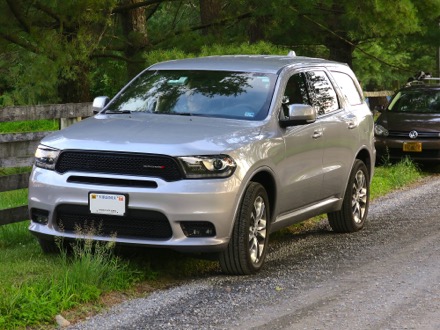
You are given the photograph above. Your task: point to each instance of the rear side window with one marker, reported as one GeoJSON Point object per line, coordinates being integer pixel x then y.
{"type": "Point", "coordinates": [322, 94]}
{"type": "Point", "coordinates": [348, 87]}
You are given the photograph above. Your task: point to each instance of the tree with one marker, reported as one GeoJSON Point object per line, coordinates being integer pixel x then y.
{"type": "Point", "coordinates": [65, 51]}
{"type": "Point", "coordinates": [210, 14]}
{"type": "Point", "coordinates": [134, 28]}
{"type": "Point", "coordinates": [51, 43]}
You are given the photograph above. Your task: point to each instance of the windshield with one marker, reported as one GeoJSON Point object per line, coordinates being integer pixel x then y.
{"type": "Point", "coordinates": [416, 101]}
{"type": "Point", "coordinates": [204, 93]}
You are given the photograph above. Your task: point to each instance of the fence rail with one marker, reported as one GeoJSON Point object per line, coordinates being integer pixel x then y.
{"type": "Point", "coordinates": [17, 149]}
{"type": "Point", "coordinates": [378, 93]}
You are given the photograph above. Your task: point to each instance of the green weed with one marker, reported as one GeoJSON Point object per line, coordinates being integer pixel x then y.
{"type": "Point", "coordinates": [391, 177]}
{"type": "Point", "coordinates": [40, 286]}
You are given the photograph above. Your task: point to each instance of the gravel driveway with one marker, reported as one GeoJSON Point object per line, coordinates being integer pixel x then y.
{"type": "Point", "coordinates": [386, 276]}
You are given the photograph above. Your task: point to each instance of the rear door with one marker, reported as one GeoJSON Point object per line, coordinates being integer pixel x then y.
{"type": "Point", "coordinates": [341, 126]}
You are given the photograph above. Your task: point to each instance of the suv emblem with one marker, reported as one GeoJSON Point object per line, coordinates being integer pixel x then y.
{"type": "Point", "coordinates": [413, 135]}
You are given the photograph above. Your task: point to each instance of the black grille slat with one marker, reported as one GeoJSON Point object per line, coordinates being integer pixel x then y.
{"type": "Point", "coordinates": [111, 182]}
{"type": "Point", "coordinates": [137, 224]}
{"type": "Point", "coordinates": [145, 165]}
{"type": "Point", "coordinates": [405, 134]}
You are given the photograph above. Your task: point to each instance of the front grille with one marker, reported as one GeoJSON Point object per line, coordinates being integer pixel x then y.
{"type": "Point", "coordinates": [145, 165]}
{"type": "Point", "coordinates": [421, 135]}
{"type": "Point", "coordinates": [138, 224]}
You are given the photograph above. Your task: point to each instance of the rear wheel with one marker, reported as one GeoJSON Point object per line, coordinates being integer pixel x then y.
{"type": "Point", "coordinates": [247, 248]}
{"type": "Point", "coordinates": [354, 209]}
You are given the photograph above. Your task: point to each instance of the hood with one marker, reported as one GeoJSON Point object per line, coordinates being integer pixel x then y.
{"type": "Point", "coordinates": [399, 121]}
{"type": "Point", "coordinates": [157, 134]}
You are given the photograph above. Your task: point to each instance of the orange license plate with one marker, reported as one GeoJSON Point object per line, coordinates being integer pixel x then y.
{"type": "Point", "coordinates": [412, 146]}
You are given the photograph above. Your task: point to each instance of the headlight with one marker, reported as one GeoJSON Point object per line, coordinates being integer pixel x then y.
{"type": "Point", "coordinates": [200, 167]}
{"type": "Point", "coordinates": [46, 157]}
{"type": "Point", "coordinates": [379, 130]}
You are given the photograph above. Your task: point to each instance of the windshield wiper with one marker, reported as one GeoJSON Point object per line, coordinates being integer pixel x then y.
{"type": "Point", "coordinates": [118, 112]}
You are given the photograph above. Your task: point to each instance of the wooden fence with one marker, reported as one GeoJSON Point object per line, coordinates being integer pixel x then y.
{"type": "Point", "coordinates": [17, 149]}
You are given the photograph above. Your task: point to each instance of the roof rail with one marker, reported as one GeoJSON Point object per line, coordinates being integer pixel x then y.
{"type": "Point", "coordinates": [424, 81]}
{"type": "Point", "coordinates": [431, 78]}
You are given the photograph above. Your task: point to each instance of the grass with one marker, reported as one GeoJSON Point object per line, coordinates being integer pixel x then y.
{"type": "Point", "coordinates": [29, 126]}
{"type": "Point", "coordinates": [9, 199]}
{"type": "Point", "coordinates": [36, 287]}
{"type": "Point", "coordinates": [391, 177]}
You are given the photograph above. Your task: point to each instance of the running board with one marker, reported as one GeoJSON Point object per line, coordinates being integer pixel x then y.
{"type": "Point", "coordinates": [287, 219]}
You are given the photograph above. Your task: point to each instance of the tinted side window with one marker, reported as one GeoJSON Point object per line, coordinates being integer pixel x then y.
{"type": "Point", "coordinates": [322, 94]}
{"type": "Point", "coordinates": [348, 87]}
{"type": "Point", "coordinates": [296, 90]}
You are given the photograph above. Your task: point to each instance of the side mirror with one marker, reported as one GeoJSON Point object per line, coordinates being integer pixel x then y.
{"type": "Point", "coordinates": [298, 114]}
{"type": "Point", "coordinates": [99, 103]}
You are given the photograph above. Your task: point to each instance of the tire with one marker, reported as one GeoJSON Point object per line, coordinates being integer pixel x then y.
{"type": "Point", "coordinates": [354, 209]}
{"type": "Point", "coordinates": [48, 246]}
{"type": "Point", "coordinates": [247, 248]}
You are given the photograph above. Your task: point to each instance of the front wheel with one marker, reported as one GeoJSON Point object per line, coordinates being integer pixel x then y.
{"type": "Point", "coordinates": [48, 246]}
{"type": "Point", "coordinates": [354, 209]}
{"type": "Point", "coordinates": [247, 248]}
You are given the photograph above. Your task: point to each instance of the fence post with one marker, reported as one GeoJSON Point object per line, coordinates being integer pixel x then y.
{"type": "Point", "coordinates": [65, 122]}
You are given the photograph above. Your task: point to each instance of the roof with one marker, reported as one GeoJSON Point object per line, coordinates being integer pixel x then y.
{"type": "Point", "coordinates": [240, 63]}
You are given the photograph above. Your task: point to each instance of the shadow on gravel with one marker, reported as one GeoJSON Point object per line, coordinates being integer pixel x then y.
{"type": "Point", "coordinates": [178, 266]}
{"type": "Point", "coordinates": [169, 263]}
{"type": "Point", "coordinates": [303, 230]}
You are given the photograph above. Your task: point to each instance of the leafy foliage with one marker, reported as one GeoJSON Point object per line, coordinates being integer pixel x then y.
{"type": "Point", "coordinates": [70, 51]}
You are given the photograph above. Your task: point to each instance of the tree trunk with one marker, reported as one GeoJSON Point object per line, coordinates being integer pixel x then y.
{"type": "Point", "coordinates": [256, 30]}
{"type": "Point", "coordinates": [340, 50]}
{"type": "Point", "coordinates": [210, 12]}
{"type": "Point", "coordinates": [340, 46]}
{"type": "Point", "coordinates": [134, 27]}
{"type": "Point", "coordinates": [77, 88]}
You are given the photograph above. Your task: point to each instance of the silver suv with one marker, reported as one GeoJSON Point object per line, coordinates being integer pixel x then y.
{"type": "Point", "coordinates": [210, 155]}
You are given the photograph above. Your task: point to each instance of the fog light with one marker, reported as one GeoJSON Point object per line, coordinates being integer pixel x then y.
{"type": "Point", "coordinates": [198, 229]}
{"type": "Point", "coordinates": [40, 216]}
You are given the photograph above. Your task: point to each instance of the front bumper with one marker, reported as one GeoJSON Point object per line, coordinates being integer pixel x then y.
{"type": "Point", "coordinates": [392, 149]}
{"type": "Point", "coordinates": [212, 200]}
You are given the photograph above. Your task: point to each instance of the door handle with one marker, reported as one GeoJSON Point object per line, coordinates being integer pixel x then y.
{"type": "Point", "coordinates": [352, 124]}
{"type": "Point", "coordinates": [316, 134]}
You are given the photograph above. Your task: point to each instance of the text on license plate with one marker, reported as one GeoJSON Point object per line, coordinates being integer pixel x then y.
{"type": "Point", "coordinates": [412, 146]}
{"type": "Point", "coordinates": [114, 204]}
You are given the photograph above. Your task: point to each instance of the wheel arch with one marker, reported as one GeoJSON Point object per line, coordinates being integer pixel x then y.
{"type": "Point", "coordinates": [365, 157]}
{"type": "Point", "coordinates": [266, 179]}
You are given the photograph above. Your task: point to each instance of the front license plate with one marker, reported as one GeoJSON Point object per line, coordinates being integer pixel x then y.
{"type": "Point", "coordinates": [113, 204]}
{"type": "Point", "coordinates": [412, 146]}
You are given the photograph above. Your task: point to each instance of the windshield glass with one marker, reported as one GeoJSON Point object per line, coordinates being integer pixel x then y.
{"type": "Point", "coordinates": [416, 101]}
{"type": "Point", "coordinates": [204, 93]}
